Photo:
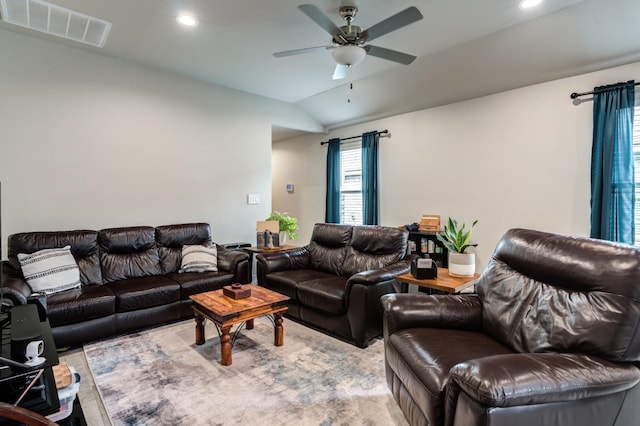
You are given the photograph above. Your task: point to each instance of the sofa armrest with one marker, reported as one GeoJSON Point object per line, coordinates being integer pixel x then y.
{"type": "Point", "coordinates": [232, 261]}
{"type": "Point", "coordinates": [375, 276]}
{"type": "Point", "coordinates": [283, 260]}
{"type": "Point", "coordinates": [228, 260]}
{"type": "Point", "coordinates": [16, 290]}
{"type": "Point", "coordinates": [538, 378]}
{"type": "Point", "coordinates": [401, 311]}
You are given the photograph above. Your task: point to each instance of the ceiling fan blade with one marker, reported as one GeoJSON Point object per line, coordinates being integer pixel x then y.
{"type": "Point", "coordinates": [392, 23]}
{"type": "Point", "coordinates": [340, 72]}
{"type": "Point", "coordinates": [300, 51]}
{"type": "Point", "coordinates": [321, 19]}
{"type": "Point", "coordinates": [391, 55]}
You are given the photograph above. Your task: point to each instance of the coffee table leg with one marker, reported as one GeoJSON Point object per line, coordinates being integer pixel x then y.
{"type": "Point", "coordinates": [249, 324]}
{"type": "Point", "coordinates": [199, 328]}
{"type": "Point", "coordinates": [225, 345]}
{"type": "Point", "coordinates": [278, 330]}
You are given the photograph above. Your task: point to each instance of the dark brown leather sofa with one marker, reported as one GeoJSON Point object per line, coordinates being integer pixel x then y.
{"type": "Point", "coordinates": [335, 282]}
{"type": "Point", "coordinates": [129, 278]}
{"type": "Point", "coordinates": [551, 338]}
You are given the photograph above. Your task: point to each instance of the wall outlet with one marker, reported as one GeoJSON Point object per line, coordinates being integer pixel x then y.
{"type": "Point", "coordinates": [253, 198]}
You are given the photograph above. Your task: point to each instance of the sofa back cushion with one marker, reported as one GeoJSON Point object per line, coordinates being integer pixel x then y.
{"type": "Point", "coordinates": [128, 253]}
{"type": "Point", "coordinates": [374, 247]}
{"type": "Point", "coordinates": [84, 248]}
{"type": "Point", "coordinates": [171, 238]}
{"type": "Point", "coordinates": [543, 292]}
{"type": "Point", "coordinates": [328, 247]}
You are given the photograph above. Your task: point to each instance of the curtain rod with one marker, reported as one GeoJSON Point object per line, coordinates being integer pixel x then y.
{"type": "Point", "coordinates": [384, 134]}
{"type": "Point", "coordinates": [575, 95]}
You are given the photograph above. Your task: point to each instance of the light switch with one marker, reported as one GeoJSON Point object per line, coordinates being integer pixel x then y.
{"type": "Point", "coordinates": [253, 199]}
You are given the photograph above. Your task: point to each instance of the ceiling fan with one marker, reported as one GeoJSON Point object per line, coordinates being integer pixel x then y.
{"type": "Point", "coordinates": [349, 41]}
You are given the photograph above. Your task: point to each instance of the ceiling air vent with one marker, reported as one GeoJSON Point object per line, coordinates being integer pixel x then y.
{"type": "Point", "coordinates": [55, 20]}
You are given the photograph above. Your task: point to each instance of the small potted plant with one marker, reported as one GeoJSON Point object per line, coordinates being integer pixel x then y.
{"type": "Point", "coordinates": [457, 239]}
{"type": "Point", "coordinates": [288, 225]}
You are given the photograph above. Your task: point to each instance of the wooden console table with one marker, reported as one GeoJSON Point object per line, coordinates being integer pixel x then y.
{"type": "Point", "coordinates": [444, 281]}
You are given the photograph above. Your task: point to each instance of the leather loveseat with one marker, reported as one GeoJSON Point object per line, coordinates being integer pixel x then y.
{"type": "Point", "coordinates": [129, 278]}
{"type": "Point", "coordinates": [552, 338]}
{"type": "Point", "coordinates": [335, 282]}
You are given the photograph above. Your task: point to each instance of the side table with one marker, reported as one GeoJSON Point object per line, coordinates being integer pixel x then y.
{"type": "Point", "coordinates": [43, 396]}
{"type": "Point", "coordinates": [444, 282]}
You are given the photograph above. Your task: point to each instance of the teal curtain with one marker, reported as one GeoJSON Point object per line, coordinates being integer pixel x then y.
{"type": "Point", "coordinates": [332, 209]}
{"type": "Point", "coordinates": [370, 178]}
{"type": "Point", "coordinates": [612, 166]}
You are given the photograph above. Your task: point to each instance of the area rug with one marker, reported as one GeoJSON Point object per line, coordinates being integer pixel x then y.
{"type": "Point", "coordinates": [160, 377]}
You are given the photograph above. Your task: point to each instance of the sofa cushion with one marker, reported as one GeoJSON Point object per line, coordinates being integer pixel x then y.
{"type": "Point", "coordinates": [199, 258]}
{"type": "Point", "coordinates": [410, 350]}
{"type": "Point", "coordinates": [325, 294]}
{"type": "Point", "coordinates": [84, 247]}
{"type": "Point", "coordinates": [328, 247]}
{"type": "Point", "coordinates": [144, 292]}
{"type": "Point", "coordinates": [374, 247]}
{"type": "Point", "coordinates": [127, 253]}
{"type": "Point", "coordinates": [50, 270]}
{"type": "Point", "coordinates": [82, 304]}
{"type": "Point", "coordinates": [286, 282]}
{"type": "Point", "coordinates": [199, 282]}
{"type": "Point", "coordinates": [171, 238]}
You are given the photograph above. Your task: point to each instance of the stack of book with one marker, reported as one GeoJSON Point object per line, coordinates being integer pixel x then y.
{"type": "Point", "coordinates": [68, 384]}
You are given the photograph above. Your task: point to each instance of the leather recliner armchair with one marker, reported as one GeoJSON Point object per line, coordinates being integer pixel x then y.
{"type": "Point", "coordinates": [552, 337]}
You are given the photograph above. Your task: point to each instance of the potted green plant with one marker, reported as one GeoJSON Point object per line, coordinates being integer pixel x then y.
{"type": "Point", "coordinates": [288, 225]}
{"type": "Point", "coordinates": [457, 239]}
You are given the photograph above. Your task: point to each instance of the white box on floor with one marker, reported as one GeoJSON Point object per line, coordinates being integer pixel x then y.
{"type": "Point", "coordinates": [67, 395]}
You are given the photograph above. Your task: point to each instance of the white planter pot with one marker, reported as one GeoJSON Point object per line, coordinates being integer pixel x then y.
{"type": "Point", "coordinates": [283, 238]}
{"type": "Point", "coordinates": [462, 264]}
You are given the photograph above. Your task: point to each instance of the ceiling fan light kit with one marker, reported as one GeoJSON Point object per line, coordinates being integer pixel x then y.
{"type": "Point", "coordinates": [349, 42]}
{"type": "Point", "coordinates": [527, 4]}
{"type": "Point", "coordinates": [187, 20]}
{"type": "Point", "coordinates": [348, 55]}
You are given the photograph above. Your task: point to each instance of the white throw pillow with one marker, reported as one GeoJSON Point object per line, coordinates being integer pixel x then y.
{"type": "Point", "coordinates": [50, 270]}
{"type": "Point", "coordinates": [199, 259]}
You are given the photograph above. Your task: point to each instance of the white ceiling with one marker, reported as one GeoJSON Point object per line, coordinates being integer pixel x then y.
{"type": "Point", "coordinates": [465, 48]}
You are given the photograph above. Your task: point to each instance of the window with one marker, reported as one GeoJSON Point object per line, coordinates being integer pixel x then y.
{"type": "Point", "coordinates": [636, 157]}
{"type": "Point", "coordinates": [351, 183]}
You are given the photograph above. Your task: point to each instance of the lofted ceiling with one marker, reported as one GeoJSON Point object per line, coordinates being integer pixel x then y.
{"type": "Point", "coordinates": [464, 48]}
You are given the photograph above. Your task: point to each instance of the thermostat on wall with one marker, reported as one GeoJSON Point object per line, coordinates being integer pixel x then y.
{"type": "Point", "coordinates": [289, 187]}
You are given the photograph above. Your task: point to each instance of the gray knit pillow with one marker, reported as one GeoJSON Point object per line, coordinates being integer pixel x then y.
{"type": "Point", "coordinates": [50, 270]}
{"type": "Point", "coordinates": [199, 258]}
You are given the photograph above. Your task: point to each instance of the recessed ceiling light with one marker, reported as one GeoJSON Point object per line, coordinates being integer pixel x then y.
{"type": "Point", "coordinates": [526, 4]}
{"type": "Point", "coordinates": [187, 20]}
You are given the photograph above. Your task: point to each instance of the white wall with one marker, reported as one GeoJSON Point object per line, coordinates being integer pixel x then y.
{"type": "Point", "coordinates": [89, 142]}
{"type": "Point", "coordinates": [515, 159]}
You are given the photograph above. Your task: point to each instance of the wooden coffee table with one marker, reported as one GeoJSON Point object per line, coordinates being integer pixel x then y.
{"type": "Point", "coordinates": [224, 312]}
